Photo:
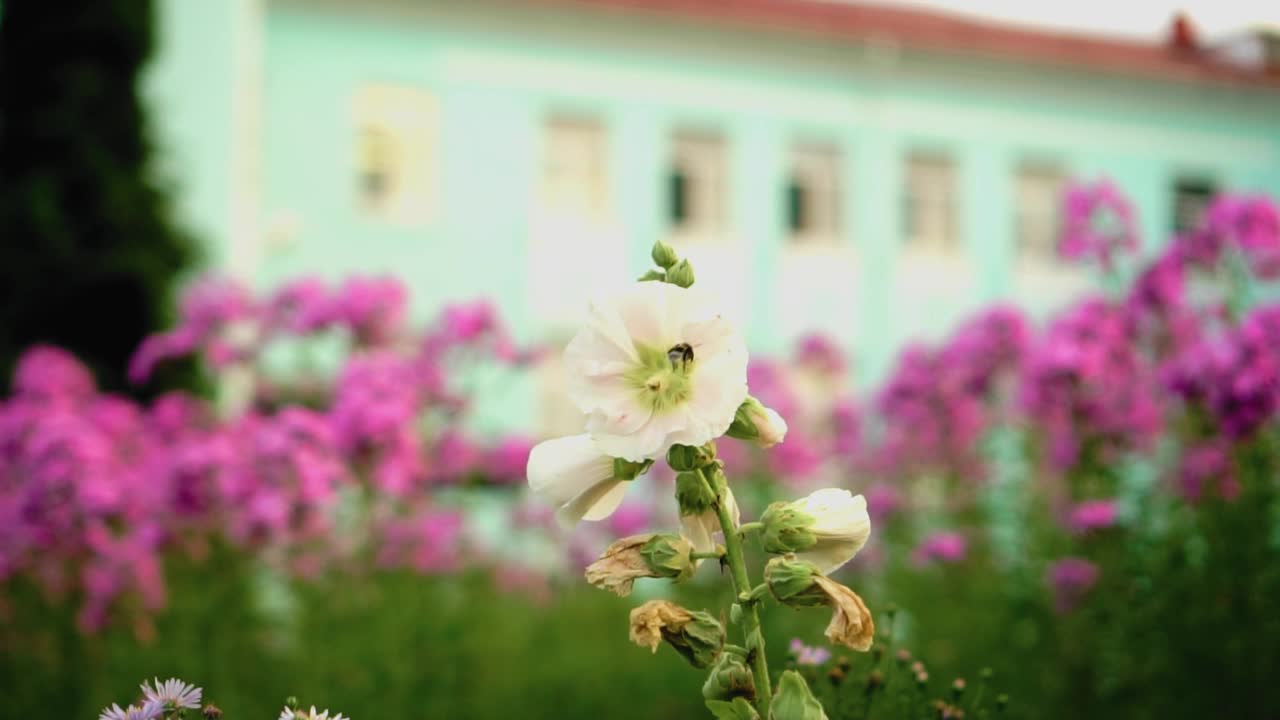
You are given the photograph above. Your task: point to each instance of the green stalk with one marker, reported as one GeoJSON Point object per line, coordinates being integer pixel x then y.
{"type": "Point", "coordinates": [742, 584]}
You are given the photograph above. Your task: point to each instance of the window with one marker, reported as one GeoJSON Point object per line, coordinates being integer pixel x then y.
{"type": "Point", "coordinates": [813, 194]}
{"type": "Point", "coordinates": [395, 128]}
{"type": "Point", "coordinates": [574, 167]}
{"type": "Point", "coordinates": [1038, 189]}
{"type": "Point", "coordinates": [696, 185]}
{"type": "Point", "coordinates": [1191, 195]}
{"type": "Point", "coordinates": [930, 222]}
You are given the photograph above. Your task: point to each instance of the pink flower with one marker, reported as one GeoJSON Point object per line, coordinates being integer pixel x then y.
{"type": "Point", "coordinates": [372, 308]}
{"type": "Point", "coordinates": [1098, 224]}
{"type": "Point", "coordinates": [49, 374]}
{"type": "Point", "coordinates": [506, 462]}
{"type": "Point", "coordinates": [301, 307]}
{"type": "Point", "coordinates": [1071, 579]}
{"type": "Point", "coordinates": [821, 352]}
{"type": "Point", "coordinates": [428, 542]}
{"type": "Point", "coordinates": [1206, 468]}
{"type": "Point", "coordinates": [1092, 515]}
{"type": "Point", "coordinates": [883, 501]}
{"type": "Point", "coordinates": [631, 518]}
{"type": "Point", "coordinates": [944, 547]}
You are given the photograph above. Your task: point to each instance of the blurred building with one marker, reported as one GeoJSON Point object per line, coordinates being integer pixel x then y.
{"type": "Point", "coordinates": [873, 172]}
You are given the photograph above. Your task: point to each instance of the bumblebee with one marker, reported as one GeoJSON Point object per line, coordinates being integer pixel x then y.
{"type": "Point", "coordinates": [680, 356]}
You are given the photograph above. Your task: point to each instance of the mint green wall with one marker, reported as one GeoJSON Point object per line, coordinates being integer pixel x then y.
{"type": "Point", "coordinates": [496, 71]}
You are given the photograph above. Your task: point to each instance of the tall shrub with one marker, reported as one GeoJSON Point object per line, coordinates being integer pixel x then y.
{"type": "Point", "coordinates": [88, 251]}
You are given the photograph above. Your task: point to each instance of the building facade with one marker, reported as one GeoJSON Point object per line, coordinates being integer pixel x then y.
{"type": "Point", "coordinates": [872, 173]}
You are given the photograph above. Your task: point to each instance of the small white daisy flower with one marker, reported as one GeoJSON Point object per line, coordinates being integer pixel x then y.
{"type": "Point", "coordinates": [173, 693]}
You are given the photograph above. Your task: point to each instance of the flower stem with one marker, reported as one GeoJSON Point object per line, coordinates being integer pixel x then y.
{"type": "Point", "coordinates": [742, 584]}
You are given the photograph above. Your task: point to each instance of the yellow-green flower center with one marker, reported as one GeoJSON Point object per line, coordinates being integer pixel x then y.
{"type": "Point", "coordinates": [662, 377]}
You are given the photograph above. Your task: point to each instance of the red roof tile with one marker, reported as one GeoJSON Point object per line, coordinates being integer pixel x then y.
{"type": "Point", "coordinates": [951, 33]}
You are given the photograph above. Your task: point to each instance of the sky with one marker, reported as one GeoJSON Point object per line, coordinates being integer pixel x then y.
{"type": "Point", "coordinates": [1147, 19]}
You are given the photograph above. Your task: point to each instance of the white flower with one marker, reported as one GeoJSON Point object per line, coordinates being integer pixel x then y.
{"type": "Point", "coordinates": [580, 480]}
{"type": "Point", "coordinates": [173, 693]}
{"type": "Point", "coordinates": [653, 367]}
{"type": "Point", "coordinates": [149, 711]}
{"type": "Point", "coordinates": [301, 714]}
{"type": "Point", "coordinates": [700, 530]}
{"type": "Point", "coordinates": [827, 528]}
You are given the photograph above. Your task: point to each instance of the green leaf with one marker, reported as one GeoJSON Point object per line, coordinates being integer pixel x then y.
{"type": "Point", "coordinates": [739, 709]}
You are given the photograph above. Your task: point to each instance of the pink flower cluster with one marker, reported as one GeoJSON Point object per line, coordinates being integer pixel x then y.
{"type": "Point", "coordinates": [96, 490]}
{"type": "Point", "coordinates": [1098, 224]}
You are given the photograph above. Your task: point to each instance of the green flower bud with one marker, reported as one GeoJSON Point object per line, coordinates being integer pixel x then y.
{"type": "Point", "coordinates": [638, 556]}
{"type": "Point", "coordinates": [627, 470]}
{"type": "Point", "coordinates": [826, 528]}
{"type": "Point", "coordinates": [664, 256]}
{"type": "Point", "coordinates": [739, 709]}
{"type": "Point", "coordinates": [652, 275]}
{"type": "Point", "coordinates": [681, 274]}
{"type": "Point", "coordinates": [700, 641]}
{"type": "Point", "coordinates": [696, 635]}
{"type": "Point", "coordinates": [786, 529]}
{"type": "Point", "coordinates": [667, 556]}
{"type": "Point", "coordinates": [693, 493]}
{"type": "Point", "coordinates": [757, 423]}
{"type": "Point", "coordinates": [792, 583]}
{"type": "Point", "coordinates": [683, 458]}
{"type": "Point", "coordinates": [730, 678]}
{"type": "Point", "coordinates": [794, 701]}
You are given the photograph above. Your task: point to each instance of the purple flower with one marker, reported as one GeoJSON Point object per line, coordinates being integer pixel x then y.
{"type": "Point", "coordinates": [1203, 466]}
{"type": "Point", "coordinates": [1098, 224]}
{"type": "Point", "coordinates": [944, 547]}
{"type": "Point", "coordinates": [930, 420]}
{"type": "Point", "coordinates": [1071, 579]}
{"type": "Point", "coordinates": [172, 693]}
{"type": "Point", "coordinates": [984, 348]}
{"type": "Point", "coordinates": [1086, 383]}
{"type": "Point", "coordinates": [806, 655]}
{"type": "Point", "coordinates": [1248, 223]}
{"type": "Point", "coordinates": [1092, 515]}
{"type": "Point", "coordinates": [1236, 377]}
{"type": "Point", "coordinates": [149, 711]}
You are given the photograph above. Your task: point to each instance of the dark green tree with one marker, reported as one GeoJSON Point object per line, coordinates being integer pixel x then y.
{"type": "Point", "coordinates": [88, 252]}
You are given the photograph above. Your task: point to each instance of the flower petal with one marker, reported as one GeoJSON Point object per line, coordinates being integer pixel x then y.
{"type": "Point", "coordinates": [596, 503]}
{"type": "Point", "coordinates": [564, 468]}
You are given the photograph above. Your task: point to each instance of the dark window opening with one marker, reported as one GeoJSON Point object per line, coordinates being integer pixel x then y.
{"type": "Point", "coordinates": [799, 212]}
{"type": "Point", "coordinates": [1191, 196]}
{"type": "Point", "coordinates": [678, 198]}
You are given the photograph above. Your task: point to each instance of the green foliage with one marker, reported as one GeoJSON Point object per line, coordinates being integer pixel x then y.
{"type": "Point", "coordinates": [89, 254]}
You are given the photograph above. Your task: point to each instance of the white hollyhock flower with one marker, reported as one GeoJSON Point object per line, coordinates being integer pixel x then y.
{"type": "Point", "coordinates": [827, 528]}
{"type": "Point", "coordinates": [655, 366]}
{"type": "Point", "coordinates": [580, 480]}
{"type": "Point", "coordinates": [700, 530]}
